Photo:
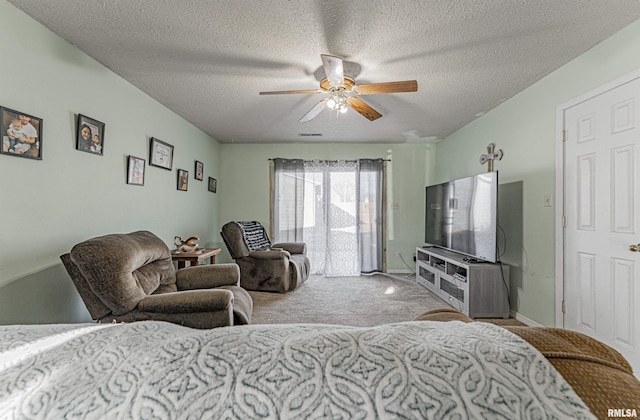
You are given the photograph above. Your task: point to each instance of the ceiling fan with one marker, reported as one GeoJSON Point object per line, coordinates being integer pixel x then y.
{"type": "Point", "coordinates": [343, 91]}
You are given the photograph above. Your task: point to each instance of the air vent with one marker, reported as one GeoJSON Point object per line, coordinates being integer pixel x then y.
{"type": "Point", "coordinates": [310, 134]}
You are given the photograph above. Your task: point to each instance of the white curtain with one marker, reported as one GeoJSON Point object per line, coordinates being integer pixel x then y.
{"type": "Point", "coordinates": [338, 213]}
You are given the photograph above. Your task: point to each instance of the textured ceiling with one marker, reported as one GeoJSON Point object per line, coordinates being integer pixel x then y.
{"type": "Point", "coordinates": [207, 60]}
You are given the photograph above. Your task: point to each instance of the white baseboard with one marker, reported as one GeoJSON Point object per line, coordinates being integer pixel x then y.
{"type": "Point", "coordinates": [528, 321]}
{"type": "Point", "coordinates": [399, 271]}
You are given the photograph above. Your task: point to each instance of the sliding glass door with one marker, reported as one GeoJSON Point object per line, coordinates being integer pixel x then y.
{"type": "Point", "coordinates": [330, 230]}
{"type": "Point", "coordinates": [335, 207]}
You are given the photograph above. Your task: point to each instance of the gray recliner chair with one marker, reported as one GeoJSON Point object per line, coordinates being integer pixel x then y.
{"type": "Point", "coordinates": [264, 266]}
{"type": "Point", "coordinates": [131, 277]}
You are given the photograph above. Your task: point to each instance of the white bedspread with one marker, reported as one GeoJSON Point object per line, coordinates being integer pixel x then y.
{"type": "Point", "coordinates": [159, 370]}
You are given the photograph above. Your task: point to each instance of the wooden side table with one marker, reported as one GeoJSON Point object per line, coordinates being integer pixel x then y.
{"type": "Point", "coordinates": [194, 257]}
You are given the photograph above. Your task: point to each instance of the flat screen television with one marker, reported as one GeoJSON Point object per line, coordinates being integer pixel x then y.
{"type": "Point", "coordinates": [461, 216]}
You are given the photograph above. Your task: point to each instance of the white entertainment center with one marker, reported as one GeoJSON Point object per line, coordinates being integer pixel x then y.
{"type": "Point", "coordinates": [479, 290]}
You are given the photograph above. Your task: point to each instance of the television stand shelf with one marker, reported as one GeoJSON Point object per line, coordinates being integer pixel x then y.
{"type": "Point", "coordinates": [479, 290]}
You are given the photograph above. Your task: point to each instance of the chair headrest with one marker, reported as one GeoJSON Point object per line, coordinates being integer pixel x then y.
{"type": "Point", "coordinates": [254, 235]}
{"type": "Point", "coordinates": [242, 238]}
{"type": "Point", "coordinates": [122, 269]}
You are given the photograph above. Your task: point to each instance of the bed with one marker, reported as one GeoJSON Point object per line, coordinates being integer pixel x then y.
{"type": "Point", "coordinates": [600, 375]}
{"type": "Point", "coordinates": [418, 369]}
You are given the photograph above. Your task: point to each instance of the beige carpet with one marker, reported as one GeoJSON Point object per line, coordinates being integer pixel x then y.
{"type": "Point", "coordinates": [359, 301]}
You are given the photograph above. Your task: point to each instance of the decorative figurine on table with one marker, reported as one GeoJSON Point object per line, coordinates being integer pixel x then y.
{"type": "Point", "coordinates": [188, 246]}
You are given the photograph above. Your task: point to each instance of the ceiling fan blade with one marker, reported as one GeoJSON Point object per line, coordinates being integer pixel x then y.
{"type": "Point", "coordinates": [333, 69]}
{"type": "Point", "coordinates": [361, 107]}
{"type": "Point", "coordinates": [388, 87]}
{"type": "Point", "coordinates": [313, 112]}
{"type": "Point", "coordinates": [287, 92]}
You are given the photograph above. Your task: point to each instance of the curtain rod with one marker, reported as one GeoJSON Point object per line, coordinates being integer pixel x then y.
{"type": "Point", "coordinates": [331, 161]}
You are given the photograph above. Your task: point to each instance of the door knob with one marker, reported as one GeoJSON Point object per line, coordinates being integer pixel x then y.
{"type": "Point", "coordinates": [634, 248]}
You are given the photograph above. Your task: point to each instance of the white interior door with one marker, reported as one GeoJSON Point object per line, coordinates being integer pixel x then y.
{"type": "Point", "coordinates": [601, 273]}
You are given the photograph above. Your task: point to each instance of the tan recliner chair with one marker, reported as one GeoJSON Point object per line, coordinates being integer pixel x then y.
{"type": "Point", "coordinates": [130, 277]}
{"type": "Point", "coordinates": [265, 267]}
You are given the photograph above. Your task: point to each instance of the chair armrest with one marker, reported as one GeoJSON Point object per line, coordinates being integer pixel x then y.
{"type": "Point", "coordinates": [189, 301]}
{"type": "Point", "coordinates": [269, 255]}
{"type": "Point", "coordinates": [208, 276]}
{"type": "Point", "coordinates": [292, 247]}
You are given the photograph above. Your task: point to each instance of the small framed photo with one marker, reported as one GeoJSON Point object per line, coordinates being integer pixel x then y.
{"type": "Point", "coordinates": [160, 154]}
{"type": "Point", "coordinates": [21, 134]}
{"type": "Point", "coordinates": [90, 135]}
{"type": "Point", "coordinates": [199, 172]}
{"type": "Point", "coordinates": [213, 185]}
{"type": "Point", "coordinates": [135, 170]}
{"type": "Point", "coordinates": [183, 180]}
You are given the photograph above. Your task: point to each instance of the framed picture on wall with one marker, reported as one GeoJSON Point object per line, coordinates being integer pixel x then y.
{"type": "Point", "coordinates": [89, 135]}
{"type": "Point", "coordinates": [135, 170]}
{"type": "Point", "coordinates": [21, 134]}
{"type": "Point", "coordinates": [213, 185]}
{"type": "Point", "coordinates": [183, 180]}
{"type": "Point", "coordinates": [160, 154]}
{"type": "Point", "coordinates": [199, 172]}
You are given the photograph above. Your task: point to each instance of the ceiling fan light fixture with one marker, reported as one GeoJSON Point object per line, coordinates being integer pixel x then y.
{"type": "Point", "coordinates": [343, 92]}
{"type": "Point", "coordinates": [338, 100]}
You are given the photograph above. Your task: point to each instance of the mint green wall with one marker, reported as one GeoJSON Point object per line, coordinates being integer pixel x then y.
{"type": "Point", "coordinates": [245, 187]}
{"type": "Point", "coordinates": [47, 206]}
{"type": "Point", "coordinates": [525, 128]}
